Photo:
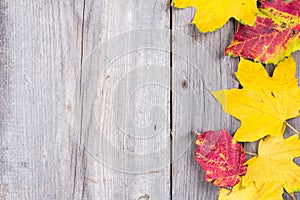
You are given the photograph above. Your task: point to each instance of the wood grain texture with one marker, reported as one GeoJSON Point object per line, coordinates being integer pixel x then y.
{"type": "Point", "coordinates": [124, 101]}
{"type": "Point", "coordinates": [88, 96]}
{"type": "Point", "coordinates": [199, 66]}
{"type": "Point", "coordinates": [57, 108]}
{"type": "Point", "coordinates": [40, 55]}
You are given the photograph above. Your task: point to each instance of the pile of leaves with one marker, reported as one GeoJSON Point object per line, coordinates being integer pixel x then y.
{"type": "Point", "coordinates": [268, 33]}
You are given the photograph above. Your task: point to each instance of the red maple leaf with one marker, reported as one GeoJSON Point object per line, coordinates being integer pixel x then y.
{"type": "Point", "coordinates": [221, 157]}
{"type": "Point", "coordinates": [275, 35]}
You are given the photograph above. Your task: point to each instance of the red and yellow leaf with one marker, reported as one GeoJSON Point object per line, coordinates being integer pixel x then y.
{"type": "Point", "coordinates": [221, 157]}
{"type": "Point", "coordinates": [275, 35]}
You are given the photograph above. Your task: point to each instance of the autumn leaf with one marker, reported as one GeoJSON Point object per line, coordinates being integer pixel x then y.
{"type": "Point", "coordinates": [213, 14]}
{"type": "Point", "coordinates": [275, 35]}
{"type": "Point", "coordinates": [264, 103]}
{"type": "Point", "coordinates": [274, 163]}
{"type": "Point", "coordinates": [221, 157]}
{"type": "Point", "coordinates": [269, 191]}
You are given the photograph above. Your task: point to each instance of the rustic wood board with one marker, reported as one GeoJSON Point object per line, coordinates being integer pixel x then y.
{"type": "Point", "coordinates": [199, 66]}
{"type": "Point", "coordinates": [93, 91]}
{"type": "Point", "coordinates": [124, 99]}
{"type": "Point", "coordinates": [40, 56]}
{"type": "Point", "coordinates": [48, 148]}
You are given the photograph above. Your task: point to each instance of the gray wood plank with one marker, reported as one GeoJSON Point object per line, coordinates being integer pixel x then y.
{"type": "Point", "coordinates": [123, 95]}
{"type": "Point", "coordinates": [194, 108]}
{"type": "Point", "coordinates": [199, 66]}
{"type": "Point", "coordinates": [295, 123]}
{"type": "Point", "coordinates": [40, 56]}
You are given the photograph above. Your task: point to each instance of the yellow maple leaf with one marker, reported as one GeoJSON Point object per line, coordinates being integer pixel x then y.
{"type": "Point", "coordinates": [213, 14]}
{"type": "Point", "coordinates": [274, 163]}
{"type": "Point", "coordinates": [268, 191]}
{"type": "Point", "coordinates": [264, 103]}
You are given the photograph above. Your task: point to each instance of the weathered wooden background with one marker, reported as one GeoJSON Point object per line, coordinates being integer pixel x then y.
{"type": "Point", "coordinates": [98, 99]}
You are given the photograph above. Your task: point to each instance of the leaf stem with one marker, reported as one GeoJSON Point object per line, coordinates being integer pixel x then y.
{"type": "Point", "coordinates": [246, 152]}
{"type": "Point", "coordinates": [291, 127]}
{"type": "Point", "coordinates": [196, 133]}
{"type": "Point", "coordinates": [250, 153]}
